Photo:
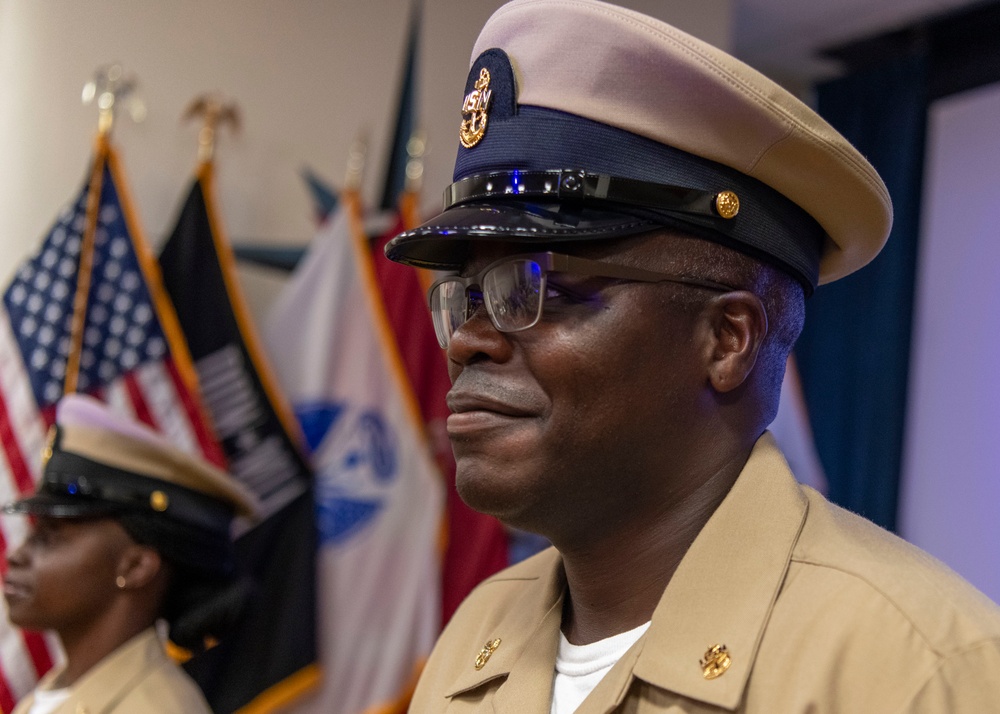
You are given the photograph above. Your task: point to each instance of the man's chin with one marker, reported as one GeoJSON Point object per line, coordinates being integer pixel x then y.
{"type": "Point", "coordinates": [495, 492]}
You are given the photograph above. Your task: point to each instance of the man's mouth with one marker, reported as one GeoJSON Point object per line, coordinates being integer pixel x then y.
{"type": "Point", "coordinates": [479, 400]}
{"type": "Point", "coordinates": [472, 412]}
{"type": "Point", "coordinates": [15, 590]}
{"type": "Point", "coordinates": [467, 402]}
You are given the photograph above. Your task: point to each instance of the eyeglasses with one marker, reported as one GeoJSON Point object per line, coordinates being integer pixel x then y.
{"type": "Point", "coordinates": [513, 290]}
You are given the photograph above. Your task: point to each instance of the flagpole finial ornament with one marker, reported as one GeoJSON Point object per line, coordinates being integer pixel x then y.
{"type": "Point", "coordinates": [356, 162]}
{"type": "Point", "coordinates": [112, 90]}
{"type": "Point", "coordinates": [416, 147]}
{"type": "Point", "coordinates": [214, 112]}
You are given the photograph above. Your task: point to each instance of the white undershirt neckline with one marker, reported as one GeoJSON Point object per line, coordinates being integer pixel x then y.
{"type": "Point", "coordinates": [580, 668]}
{"type": "Point", "coordinates": [48, 700]}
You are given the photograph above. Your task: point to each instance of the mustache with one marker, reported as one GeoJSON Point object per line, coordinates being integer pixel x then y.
{"type": "Point", "coordinates": [483, 386]}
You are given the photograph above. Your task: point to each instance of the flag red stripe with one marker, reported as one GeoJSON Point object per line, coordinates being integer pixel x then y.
{"type": "Point", "coordinates": [39, 651]}
{"type": "Point", "coordinates": [48, 415]}
{"type": "Point", "coordinates": [3, 552]}
{"type": "Point", "coordinates": [3, 563]}
{"type": "Point", "coordinates": [476, 544]}
{"type": "Point", "coordinates": [18, 466]}
{"type": "Point", "coordinates": [206, 439]}
{"type": "Point", "coordinates": [35, 644]}
{"type": "Point", "coordinates": [138, 400]}
{"type": "Point", "coordinates": [7, 700]}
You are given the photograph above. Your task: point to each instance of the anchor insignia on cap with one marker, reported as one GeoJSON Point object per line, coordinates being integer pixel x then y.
{"type": "Point", "coordinates": [477, 102]}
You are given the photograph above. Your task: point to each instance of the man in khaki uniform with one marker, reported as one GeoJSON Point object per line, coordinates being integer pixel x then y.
{"type": "Point", "coordinates": [635, 223]}
{"type": "Point", "coordinates": [128, 530]}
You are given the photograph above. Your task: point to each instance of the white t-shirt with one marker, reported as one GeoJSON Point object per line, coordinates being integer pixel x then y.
{"type": "Point", "coordinates": [579, 668]}
{"type": "Point", "coordinates": [48, 700]}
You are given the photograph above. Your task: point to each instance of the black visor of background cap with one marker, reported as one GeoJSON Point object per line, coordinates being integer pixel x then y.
{"type": "Point", "coordinates": [582, 120]}
{"type": "Point", "coordinates": [98, 463]}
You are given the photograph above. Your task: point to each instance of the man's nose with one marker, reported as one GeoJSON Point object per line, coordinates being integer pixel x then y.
{"type": "Point", "coordinates": [477, 339]}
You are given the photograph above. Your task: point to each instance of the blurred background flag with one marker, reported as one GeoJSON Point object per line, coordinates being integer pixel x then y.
{"type": "Point", "coordinates": [86, 313]}
{"type": "Point", "coordinates": [475, 545]}
{"type": "Point", "coordinates": [379, 494]}
{"type": "Point", "coordinates": [271, 659]}
{"type": "Point", "coordinates": [323, 196]}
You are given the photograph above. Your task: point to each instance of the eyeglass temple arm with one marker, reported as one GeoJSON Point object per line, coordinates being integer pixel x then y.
{"type": "Point", "coordinates": [560, 262]}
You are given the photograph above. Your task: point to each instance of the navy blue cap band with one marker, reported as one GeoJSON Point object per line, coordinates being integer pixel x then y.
{"type": "Point", "coordinates": [769, 226]}
{"type": "Point", "coordinates": [574, 185]}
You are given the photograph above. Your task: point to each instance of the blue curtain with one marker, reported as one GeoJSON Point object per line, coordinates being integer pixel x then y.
{"type": "Point", "coordinates": [854, 350]}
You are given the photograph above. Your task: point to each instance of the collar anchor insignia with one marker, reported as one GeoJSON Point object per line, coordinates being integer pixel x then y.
{"type": "Point", "coordinates": [474, 109]}
{"type": "Point", "coordinates": [486, 652]}
{"type": "Point", "coordinates": [715, 662]}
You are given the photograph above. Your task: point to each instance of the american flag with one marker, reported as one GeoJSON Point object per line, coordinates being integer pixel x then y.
{"type": "Point", "coordinates": [131, 356]}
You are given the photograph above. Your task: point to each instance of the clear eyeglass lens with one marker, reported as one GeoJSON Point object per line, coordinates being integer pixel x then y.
{"type": "Point", "coordinates": [513, 294]}
{"type": "Point", "coordinates": [448, 310]}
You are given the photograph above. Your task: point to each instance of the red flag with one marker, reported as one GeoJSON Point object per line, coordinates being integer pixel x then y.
{"type": "Point", "coordinates": [475, 545]}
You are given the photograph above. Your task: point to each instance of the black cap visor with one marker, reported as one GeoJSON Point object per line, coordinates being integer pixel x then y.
{"type": "Point", "coordinates": [442, 243]}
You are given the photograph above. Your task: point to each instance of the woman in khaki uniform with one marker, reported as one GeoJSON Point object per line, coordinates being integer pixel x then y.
{"type": "Point", "coordinates": [128, 531]}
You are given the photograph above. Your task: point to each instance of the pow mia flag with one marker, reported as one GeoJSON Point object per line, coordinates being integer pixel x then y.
{"type": "Point", "coordinates": [257, 432]}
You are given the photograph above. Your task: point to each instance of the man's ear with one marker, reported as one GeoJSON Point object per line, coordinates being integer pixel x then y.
{"type": "Point", "coordinates": [138, 566]}
{"type": "Point", "coordinates": [738, 324]}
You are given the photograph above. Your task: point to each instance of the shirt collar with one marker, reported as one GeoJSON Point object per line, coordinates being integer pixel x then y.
{"type": "Point", "coordinates": [529, 639]}
{"type": "Point", "coordinates": [727, 583]}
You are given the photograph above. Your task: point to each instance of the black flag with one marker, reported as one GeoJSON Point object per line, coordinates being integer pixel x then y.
{"type": "Point", "coordinates": [271, 658]}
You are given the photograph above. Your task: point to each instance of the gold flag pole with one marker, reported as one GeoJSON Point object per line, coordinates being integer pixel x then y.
{"type": "Point", "coordinates": [112, 90]}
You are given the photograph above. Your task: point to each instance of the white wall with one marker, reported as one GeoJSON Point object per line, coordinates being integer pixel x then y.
{"type": "Point", "coordinates": [308, 74]}
{"type": "Point", "coordinates": [950, 499]}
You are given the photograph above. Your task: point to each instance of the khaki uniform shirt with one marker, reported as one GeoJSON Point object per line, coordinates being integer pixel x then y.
{"type": "Point", "coordinates": [137, 678]}
{"type": "Point", "coordinates": [819, 611]}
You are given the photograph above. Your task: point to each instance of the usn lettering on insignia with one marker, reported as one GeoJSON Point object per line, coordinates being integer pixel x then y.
{"type": "Point", "coordinates": [477, 103]}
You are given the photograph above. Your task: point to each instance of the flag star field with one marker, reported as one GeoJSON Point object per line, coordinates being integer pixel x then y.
{"type": "Point", "coordinates": [122, 331]}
